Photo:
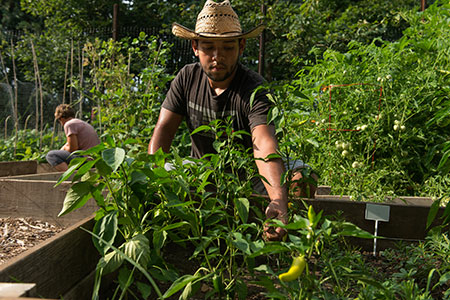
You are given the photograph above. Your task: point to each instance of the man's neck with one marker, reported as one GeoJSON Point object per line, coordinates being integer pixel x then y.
{"type": "Point", "coordinates": [221, 86]}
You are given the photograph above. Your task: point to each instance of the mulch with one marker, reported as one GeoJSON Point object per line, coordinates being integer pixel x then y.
{"type": "Point", "coordinates": [20, 234]}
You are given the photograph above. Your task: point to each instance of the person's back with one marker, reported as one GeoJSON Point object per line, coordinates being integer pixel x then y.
{"type": "Point", "coordinates": [87, 136]}
{"type": "Point", "coordinates": [217, 87]}
{"type": "Point", "coordinates": [80, 136]}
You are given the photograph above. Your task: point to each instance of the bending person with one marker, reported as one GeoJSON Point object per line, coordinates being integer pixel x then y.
{"type": "Point", "coordinates": [80, 136]}
{"type": "Point", "coordinates": [219, 86]}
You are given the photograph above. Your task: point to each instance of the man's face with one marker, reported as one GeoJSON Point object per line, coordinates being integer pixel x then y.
{"type": "Point", "coordinates": [218, 58]}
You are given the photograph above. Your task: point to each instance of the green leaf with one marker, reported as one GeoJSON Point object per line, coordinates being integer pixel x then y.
{"type": "Point", "coordinates": [138, 177]}
{"type": "Point", "coordinates": [74, 164]}
{"type": "Point", "coordinates": [265, 268]}
{"type": "Point", "coordinates": [98, 195]}
{"type": "Point", "coordinates": [144, 289]}
{"type": "Point", "coordinates": [299, 94]}
{"type": "Point", "coordinates": [240, 243]}
{"type": "Point", "coordinates": [106, 229]}
{"type": "Point", "coordinates": [137, 248]}
{"type": "Point", "coordinates": [313, 142]}
{"type": "Point", "coordinates": [179, 284]}
{"type": "Point", "coordinates": [433, 212]}
{"type": "Point", "coordinates": [102, 168]}
{"type": "Point", "coordinates": [125, 278]}
{"type": "Point", "coordinates": [444, 278]}
{"type": "Point", "coordinates": [76, 197]}
{"type": "Point", "coordinates": [201, 128]}
{"type": "Point", "coordinates": [352, 230]}
{"type": "Point", "coordinates": [161, 172]}
{"type": "Point", "coordinates": [272, 248]}
{"type": "Point", "coordinates": [243, 207]}
{"type": "Point", "coordinates": [110, 262]}
{"type": "Point", "coordinates": [298, 224]}
{"type": "Point", "coordinates": [159, 238]}
{"type": "Point", "coordinates": [174, 225]}
{"type": "Point", "coordinates": [95, 149]}
{"type": "Point", "coordinates": [113, 157]}
{"type": "Point", "coordinates": [125, 257]}
{"type": "Point", "coordinates": [241, 289]}
{"type": "Point", "coordinates": [84, 169]}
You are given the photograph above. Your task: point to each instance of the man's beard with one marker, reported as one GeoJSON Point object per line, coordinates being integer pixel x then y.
{"type": "Point", "coordinates": [219, 77]}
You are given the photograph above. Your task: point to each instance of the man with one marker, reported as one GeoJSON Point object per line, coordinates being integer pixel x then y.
{"type": "Point", "coordinates": [219, 86]}
{"type": "Point", "coordinates": [80, 136]}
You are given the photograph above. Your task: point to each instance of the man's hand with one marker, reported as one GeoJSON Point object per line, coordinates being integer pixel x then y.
{"type": "Point", "coordinates": [275, 210]}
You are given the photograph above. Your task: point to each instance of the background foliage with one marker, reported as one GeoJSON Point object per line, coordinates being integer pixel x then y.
{"type": "Point", "coordinates": [391, 46]}
{"type": "Point", "coordinates": [360, 92]}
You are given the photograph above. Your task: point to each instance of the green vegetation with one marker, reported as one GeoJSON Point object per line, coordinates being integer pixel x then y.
{"type": "Point", "coordinates": [365, 101]}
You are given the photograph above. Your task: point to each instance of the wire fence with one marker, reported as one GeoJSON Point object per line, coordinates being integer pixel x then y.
{"type": "Point", "coordinates": [24, 106]}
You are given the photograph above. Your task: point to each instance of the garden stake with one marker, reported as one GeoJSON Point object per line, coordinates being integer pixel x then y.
{"type": "Point", "coordinates": [377, 213]}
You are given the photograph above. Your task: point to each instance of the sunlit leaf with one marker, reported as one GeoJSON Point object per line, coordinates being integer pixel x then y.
{"type": "Point", "coordinates": [113, 157]}
{"type": "Point", "coordinates": [106, 228]}
{"type": "Point", "coordinates": [137, 248]}
{"type": "Point", "coordinates": [76, 197]}
{"type": "Point", "coordinates": [243, 207]}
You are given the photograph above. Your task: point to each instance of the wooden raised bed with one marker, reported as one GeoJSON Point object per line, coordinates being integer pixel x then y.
{"type": "Point", "coordinates": [37, 197]}
{"type": "Point", "coordinates": [61, 267]}
{"type": "Point", "coordinates": [11, 168]}
{"type": "Point", "coordinates": [14, 168]}
{"type": "Point", "coordinates": [407, 221]}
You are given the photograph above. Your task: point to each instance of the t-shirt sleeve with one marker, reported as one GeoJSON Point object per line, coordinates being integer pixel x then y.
{"type": "Point", "coordinates": [259, 109]}
{"type": "Point", "coordinates": [175, 100]}
{"type": "Point", "coordinates": [71, 128]}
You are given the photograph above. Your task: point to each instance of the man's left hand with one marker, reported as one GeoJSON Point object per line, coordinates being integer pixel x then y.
{"type": "Point", "coordinates": [275, 210]}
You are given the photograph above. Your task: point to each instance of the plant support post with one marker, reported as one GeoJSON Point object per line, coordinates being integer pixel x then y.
{"type": "Point", "coordinates": [115, 21]}
{"type": "Point", "coordinates": [262, 42]}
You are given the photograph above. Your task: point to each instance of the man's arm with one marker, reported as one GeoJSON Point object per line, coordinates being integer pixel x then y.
{"type": "Point", "coordinates": [165, 129]}
{"type": "Point", "coordinates": [264, 144]}
{"type": "Point", "coordinates": [71, 144]}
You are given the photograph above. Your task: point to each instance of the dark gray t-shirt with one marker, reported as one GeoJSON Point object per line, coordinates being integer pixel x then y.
{"type": "Point", "coordinates": [191, 96]}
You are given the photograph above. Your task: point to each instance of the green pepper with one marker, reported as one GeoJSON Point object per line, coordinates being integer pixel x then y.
{"type": "Point", "coordinates": [217, 283]}
{"type": "Point", "coordinates": [311, 215]}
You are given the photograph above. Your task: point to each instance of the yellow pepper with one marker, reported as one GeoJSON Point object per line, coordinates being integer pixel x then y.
{"type": "Point", "coordinates": [296, 269]}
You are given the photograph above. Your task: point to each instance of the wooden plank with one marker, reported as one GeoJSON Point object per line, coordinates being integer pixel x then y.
{"type": "Point", "coordinates": [39, 199]}
{"type": "Point", "coordinates": [84, 288]}
{"type": "Point", "coordinates": [52, 176]}
{"type": "Point", "coordinates": [11, 168]}
{"type": "Point", "coordinates": [12, 289]}
{"type": "Point", "coordinates": [57, 264]}
{"type": "Point", "coordinates": [15, 298]}
{"type": "Point", "coordinates": [407, 221]}
{"type": "Point", "coordinates": [323, 190]}
{"type": "Point", "coordinates": [45, 168]}
{"type": "Point", "coordinates": [408, 217]}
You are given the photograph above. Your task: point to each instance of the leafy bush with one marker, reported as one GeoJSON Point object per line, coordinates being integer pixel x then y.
{"type": "Point", "coordinates": [408, 77]}
{"type": "Point", "coordinates": [29, 145]}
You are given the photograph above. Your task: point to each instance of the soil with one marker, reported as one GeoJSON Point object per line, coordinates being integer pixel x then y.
{"type": "Point", "coordinates": [19, 234]}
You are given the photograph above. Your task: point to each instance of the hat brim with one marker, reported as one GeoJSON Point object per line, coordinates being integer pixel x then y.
{"type": "Point", "coordinates": [188, 34]}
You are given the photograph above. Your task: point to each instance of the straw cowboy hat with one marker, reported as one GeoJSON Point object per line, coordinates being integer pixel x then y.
{"type": "Point", "coordinates": [216, 21]}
